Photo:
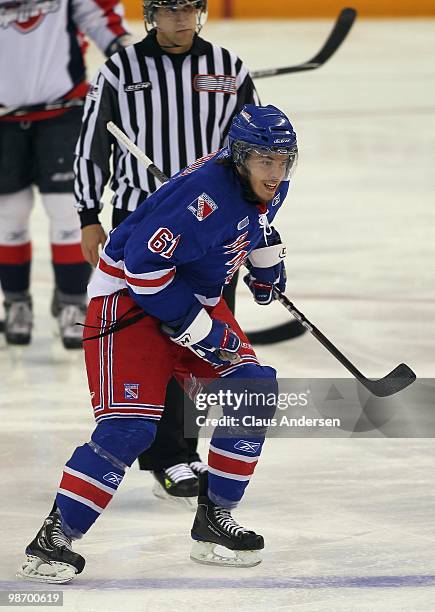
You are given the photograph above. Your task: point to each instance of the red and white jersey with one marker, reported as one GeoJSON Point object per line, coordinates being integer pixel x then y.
{"type": "Point", "coordinates": [41, 48]}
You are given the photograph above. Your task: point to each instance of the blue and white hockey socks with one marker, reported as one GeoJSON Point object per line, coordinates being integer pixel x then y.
{"type": "Point", "coordinates": [88, 484]}
{"type": "Point", "coordinates": [231, 464]}
{"type": "Point", "coordinates": [95, 470]}
{"type": "Point", "coordinates": [234, 451]}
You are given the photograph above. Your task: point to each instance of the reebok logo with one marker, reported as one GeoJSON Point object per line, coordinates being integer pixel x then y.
{"type": "Point", "coordinates": [247, 447]}
{"type": "Point", "coordinates": [113, 478]}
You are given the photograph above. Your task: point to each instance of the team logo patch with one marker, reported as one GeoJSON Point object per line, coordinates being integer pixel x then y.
{"type": "Point", "coordinates": [276, 200]}
{"type": "Point", "coordinates": [202, 207]}
{"type": "Point", "coordinates": [247, 447]}
{"type": "Point", "coordinates": [131, 390]}
{"type": "Point", "coordinates": [138, 86]}
{"type": "Point", "coordinates": [218, 83]}
{"type": "Point", "coordinates": [113, 478]}
{"type": "Point", "coordinates": [243, 223]}
{"type": "Point", "coordinates": [26, 16]}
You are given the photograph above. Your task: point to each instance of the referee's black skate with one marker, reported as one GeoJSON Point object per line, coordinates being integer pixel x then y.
{"type": "Point", "coordinates": [213, 526]}
{"type": "Point", "coordinates": [50, 557]}
{"type": "Point", "coordinates": [178, 484]}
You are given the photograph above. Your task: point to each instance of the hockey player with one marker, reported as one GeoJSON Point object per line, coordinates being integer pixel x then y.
{"type": "Point", "coordinates": [156, 311]}
{"type": "Point", "coordinates": [174, 94]}
{"type": "Point", "coordinates": [42, 88]}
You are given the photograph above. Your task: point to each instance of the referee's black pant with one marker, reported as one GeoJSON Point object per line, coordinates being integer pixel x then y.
{"type": "Point", "coordinates": [170, 446]}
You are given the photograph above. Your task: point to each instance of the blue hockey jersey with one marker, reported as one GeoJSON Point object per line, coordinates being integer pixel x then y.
{"type": "Point", "coordinates": [186, 241]}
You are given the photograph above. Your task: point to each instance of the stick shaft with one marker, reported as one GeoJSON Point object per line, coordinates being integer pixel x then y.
{"type": "Point", "coordinates": [134, 150]}
{"type": "Point", "coordinates": [318, 335]}
{"type": "Point", "coordinates": [398, 379]}
{"type": "Point", "coordinates": [36, 108]}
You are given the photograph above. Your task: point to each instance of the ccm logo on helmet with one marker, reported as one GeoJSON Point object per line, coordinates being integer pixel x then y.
{"type": "Point", "coordinates": [281, 140]}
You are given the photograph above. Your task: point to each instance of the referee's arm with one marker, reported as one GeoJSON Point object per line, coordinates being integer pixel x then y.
{"type": "Point", "coordinates": [92, 163]}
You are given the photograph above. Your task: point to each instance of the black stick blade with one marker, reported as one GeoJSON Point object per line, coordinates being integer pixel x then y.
{"type": "Point", "coordinates": [279, 333]}
{"type": "Point", "coordinates": [337, 36]}
{"type": "Point", "coordinates": [401, 377]}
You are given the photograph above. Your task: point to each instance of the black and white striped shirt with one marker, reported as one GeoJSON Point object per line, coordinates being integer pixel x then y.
{"type": "Point", "coordinates": [176, 108]}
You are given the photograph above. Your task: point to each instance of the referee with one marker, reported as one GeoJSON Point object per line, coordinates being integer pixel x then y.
{"type": "Point", "coordinates": [174, 94]}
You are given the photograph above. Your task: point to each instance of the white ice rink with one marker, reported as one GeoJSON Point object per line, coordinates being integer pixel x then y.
{"type": "Point", "coordinates": [349, 524]}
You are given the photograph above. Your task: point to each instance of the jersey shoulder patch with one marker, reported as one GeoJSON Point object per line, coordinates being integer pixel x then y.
{"type": "Point", "coordinates": [203, 206]}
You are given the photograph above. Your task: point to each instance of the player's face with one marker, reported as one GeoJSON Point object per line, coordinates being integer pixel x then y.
{"type": "Point", "coordinates": [176, 27]}
{"type": "Point", "coordinates": [266, 173]}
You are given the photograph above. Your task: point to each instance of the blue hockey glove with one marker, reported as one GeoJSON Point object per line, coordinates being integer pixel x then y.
{"type": "Point", "coordinates": [261, 282]}
{"type": "Point", "coordinates": [266, 270]}
{"type": "Point", "coordinates": [210, 339]}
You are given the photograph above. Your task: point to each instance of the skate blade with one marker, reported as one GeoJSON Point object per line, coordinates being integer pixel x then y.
{"type": "Point", "coordinates": [189, 503]}
{"type": "Point", "coordinates": [204, 552]}
{"type": "Point", "coordinates": [37, 570]}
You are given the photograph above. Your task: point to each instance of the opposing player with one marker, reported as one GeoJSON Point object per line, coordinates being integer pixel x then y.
{"type": "Point", "coordinates": [42, 88]}
{"type": "Point", "coordinates": [156, 311]}
{"type": "Point", "coordinates": [174, 94]}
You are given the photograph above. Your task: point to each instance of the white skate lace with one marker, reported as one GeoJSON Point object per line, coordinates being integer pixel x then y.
{"type": "Point", "coordinates": [58, 537]}
{"type": "Point", "coordinates": [198, 467]}
{"type": "Point", "coordinates": [179, 472]}
{"type": "Point", "coordinates": [226, 521]}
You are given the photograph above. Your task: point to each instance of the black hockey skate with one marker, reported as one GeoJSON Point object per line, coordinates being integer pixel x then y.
{"type": "Point", "coordinates": [50, 557]}
{"type": "Point", "coordinates": [178, 484]}
{"type": "Point", "coordinates": [213, 526]}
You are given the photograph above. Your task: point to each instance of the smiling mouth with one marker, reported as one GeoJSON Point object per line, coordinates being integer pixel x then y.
{"type": "Point", "coordinates": [271, 186]}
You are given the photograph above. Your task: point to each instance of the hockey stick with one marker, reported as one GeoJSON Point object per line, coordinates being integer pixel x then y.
{"type": "Point", "coordinates": [18, 111]}
{"type": "Point", "coordinates": [398, 379]}
{"type": "Point", "coordinates": [338, 34]}
{"type": "Point", "coordinates": [286, 331]}
{"type": "Point", "coordinates": [134, 150]}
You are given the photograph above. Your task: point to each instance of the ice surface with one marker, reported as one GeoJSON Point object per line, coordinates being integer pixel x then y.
{"type": "Point", "coordinates": [349, 524]}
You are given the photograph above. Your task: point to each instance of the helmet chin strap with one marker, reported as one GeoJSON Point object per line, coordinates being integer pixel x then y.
{"type": "Point", "coordinates": [174, 46]}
